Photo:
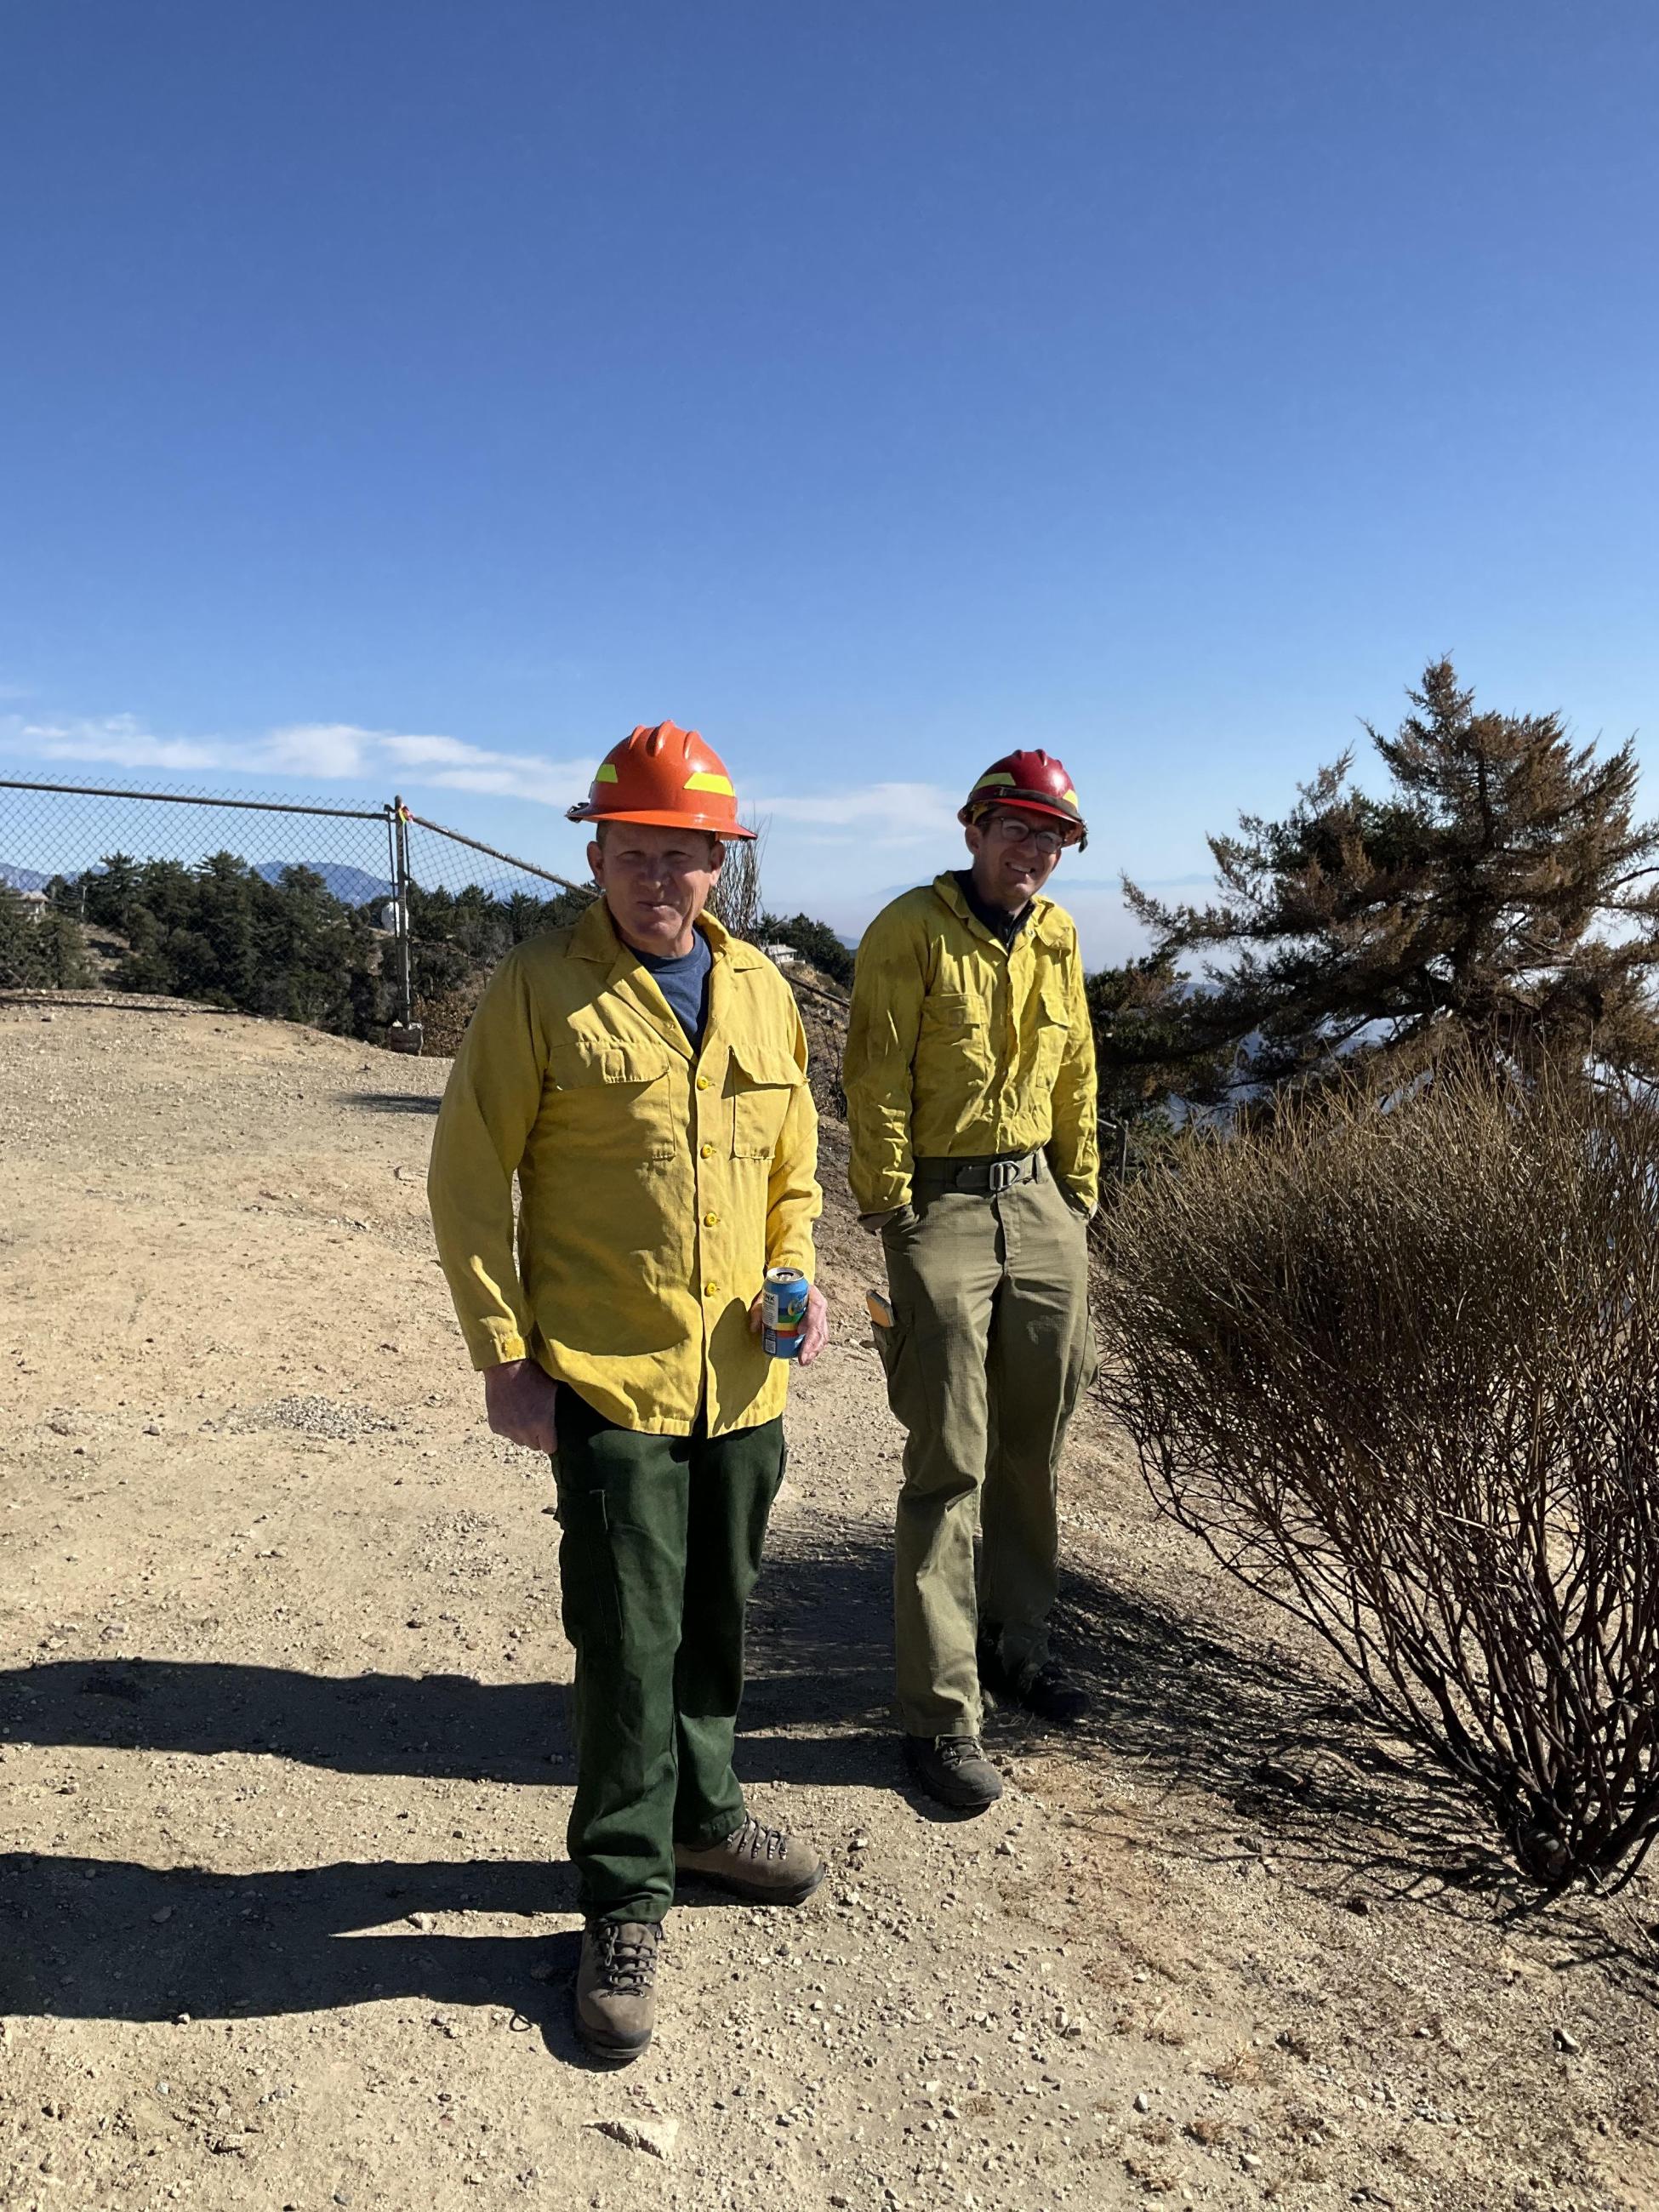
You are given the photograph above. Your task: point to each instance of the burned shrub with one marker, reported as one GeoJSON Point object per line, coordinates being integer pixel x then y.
{"type": "Point", "coordinates": [1400, 1371]}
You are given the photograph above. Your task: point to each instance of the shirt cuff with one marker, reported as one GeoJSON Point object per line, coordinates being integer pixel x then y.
{"type": "Point", "coordinates": [496, 1347]}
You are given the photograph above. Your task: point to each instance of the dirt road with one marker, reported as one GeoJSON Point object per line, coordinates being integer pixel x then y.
{"type": "Point", "coordinates": [284, 1920]}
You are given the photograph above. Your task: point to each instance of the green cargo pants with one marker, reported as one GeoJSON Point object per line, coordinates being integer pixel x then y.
{"type": "Point", "coordinates": [989, 1350]}
{"type": "Point", "coordinates": [661, 1546]}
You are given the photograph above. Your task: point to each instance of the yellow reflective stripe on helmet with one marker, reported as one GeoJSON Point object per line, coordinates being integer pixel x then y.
{"type": "Point", "coordinates": [706, 779]}
{"type": "Point", "coordinates": [1001, 776]}
{"type": "Point", "coordinates": [605, 773]}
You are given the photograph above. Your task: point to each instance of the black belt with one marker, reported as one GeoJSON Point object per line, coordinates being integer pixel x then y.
{"type": "Point", "coordinates": [988, 1177]}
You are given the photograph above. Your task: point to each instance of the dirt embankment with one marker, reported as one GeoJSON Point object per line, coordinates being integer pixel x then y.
{"type": "Point", "coordinates": [283, 1915]}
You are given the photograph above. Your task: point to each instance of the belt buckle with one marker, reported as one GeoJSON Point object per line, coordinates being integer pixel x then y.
{"type": "Point", "coordinates": [1002, 1174]}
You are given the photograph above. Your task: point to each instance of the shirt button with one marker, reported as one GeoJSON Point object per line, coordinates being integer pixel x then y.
{"type": "Point", "coordinates": [702, 1082]}
{"type": "Point", "coordinates": [709, 1289]}
{"type": "Point", "coordinates": [708, 1152]}
{"type": "Point", "coordinates": [711, 1221]}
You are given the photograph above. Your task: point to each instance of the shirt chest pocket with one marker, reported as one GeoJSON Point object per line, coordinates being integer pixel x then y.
{"type": "Point", "coordinates": [1053, 1026]}
{"type": "Point", "coordinates": [955, 1040]}
{"type": "Point", "coordinates": [615, 1099]}
{"type": "Point", "coordinates": [762, 1081]}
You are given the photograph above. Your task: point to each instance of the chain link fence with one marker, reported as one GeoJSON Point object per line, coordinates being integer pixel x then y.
{"type": "Point", "coordinates": [373, 922]}
{"type": "Point", "coordinates": [465, 905]}
{"type": "Point", "coordinates": [70, 832]}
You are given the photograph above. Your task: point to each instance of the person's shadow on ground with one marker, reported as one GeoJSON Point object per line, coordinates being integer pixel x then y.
{"type": "Point", "coordinates": [820, 1670]}
{"type": "Point", "coordinates": [1209, 1718]}
{"type": "Point", "coordinates": [99, 1939]}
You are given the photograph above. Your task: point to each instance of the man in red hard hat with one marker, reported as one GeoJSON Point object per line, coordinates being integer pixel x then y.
{"type": "Point", "coordinates": [643, 1075]}
{"type": "Point", "coordinates": [970, 1094]}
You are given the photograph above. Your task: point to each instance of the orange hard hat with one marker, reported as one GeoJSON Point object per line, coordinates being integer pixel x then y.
{"type": "Point", "coordinates": [1028, 783]}
{"type": "Point", "coordinates": [662, 775]}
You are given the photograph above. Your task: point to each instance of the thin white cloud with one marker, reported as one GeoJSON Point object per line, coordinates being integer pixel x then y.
{"type": "Point", "coordinates": [868, 815]}
{"type": "Point", "coordinates": [326, 749]}
{"type": "Point", "coordinates": [313, 751]}
{"type": "Point", "coordinates": [118, 739]}
{"type": "Point", "coordinates": [453, 763]}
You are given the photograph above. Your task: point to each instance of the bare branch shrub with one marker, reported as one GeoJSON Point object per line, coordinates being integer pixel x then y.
{"type": "Point", "coordinates": [736, 900]}
{"type": "Point", "coordinates": [1399, 1371]}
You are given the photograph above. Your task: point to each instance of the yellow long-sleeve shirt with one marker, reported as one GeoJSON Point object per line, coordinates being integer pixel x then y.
{"type": "Point", "coordinates": [959, 1048]}
{"type": "Point", "coordinates": [654, 1189]}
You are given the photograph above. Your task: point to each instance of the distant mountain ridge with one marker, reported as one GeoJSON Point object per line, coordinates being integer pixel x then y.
{"type": "Point", "coordinates": [354, 886]}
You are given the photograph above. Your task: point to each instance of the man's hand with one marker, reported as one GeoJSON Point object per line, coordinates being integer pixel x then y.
{"type": "Point", "coordinates": [875, 1222]}
{"type": "Point", "coordinates": [519, 1401]}
{"type": "Point", "coordinates": [813, 1337]}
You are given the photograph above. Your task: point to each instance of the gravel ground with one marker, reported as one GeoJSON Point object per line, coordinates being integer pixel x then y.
{"type": "Point", "coordinates": [285, 1919]}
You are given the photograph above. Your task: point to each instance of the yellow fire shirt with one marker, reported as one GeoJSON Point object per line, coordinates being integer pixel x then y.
{"type": "Point", "coordinates": [654, 1189]}
{"type": "Point", "coordinates": [960, 1048]}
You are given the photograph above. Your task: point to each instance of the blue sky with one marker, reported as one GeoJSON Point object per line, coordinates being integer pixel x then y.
{"type": "Point", "coordinates": [417, 396]}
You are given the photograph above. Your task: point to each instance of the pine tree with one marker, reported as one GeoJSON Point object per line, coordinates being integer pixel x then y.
{"type": "Point", "coordinates": [1502, 895]}
{"type": "Point", "coordinates": [814, 940]}
{"type": "Point", "coordinates": [19, 960]}
{"type": "Point", "coordinates": [1144, 1046]}
{"type": "Point", "coordinates": [61, 951]}
{"type": "Point", "coordinates": [41, 948]}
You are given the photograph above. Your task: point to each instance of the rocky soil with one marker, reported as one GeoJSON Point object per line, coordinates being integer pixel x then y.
{"type": "Point", "coordinates": [284, 1920]}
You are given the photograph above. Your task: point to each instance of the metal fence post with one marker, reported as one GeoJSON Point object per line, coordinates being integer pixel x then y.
{"type": "Point", "coordinates": [410, 1040]}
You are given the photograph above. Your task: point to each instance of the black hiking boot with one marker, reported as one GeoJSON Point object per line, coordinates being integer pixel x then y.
{"type": "Point", "coordinates": [1047, 1693]}
{"type": "Point", "coordinates": [955, 1770]}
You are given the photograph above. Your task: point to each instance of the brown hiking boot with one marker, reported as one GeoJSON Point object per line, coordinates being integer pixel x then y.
{"type": "Point", "coordinates": [761, 1864]}
{"type": "Point", "coordinates": [955, 1770]}
{"type": "Point", "coordinates": [616, 1986]}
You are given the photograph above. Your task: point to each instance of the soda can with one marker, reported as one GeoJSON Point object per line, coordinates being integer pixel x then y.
{"type": "Point", "coordinates": [783, 1312]}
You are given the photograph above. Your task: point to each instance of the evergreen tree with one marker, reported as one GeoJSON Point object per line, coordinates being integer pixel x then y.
{"type": "Point", "coordinates": [109, 890]}
{"type": "Point", "coordinates": [459, 937]}
{"type": "Point", "coordinates": [41, 948]}
{"type": "Point", "coordinates": [1501, 894]}
{"type": "Point", "coordinates": [1144, 1047]}
{"type": "Point", "coordinates": [17, 951]}
{"type": "Point", "coordinates": [814, 940]}
{"type": "Point", "coordinates": [61, 952]}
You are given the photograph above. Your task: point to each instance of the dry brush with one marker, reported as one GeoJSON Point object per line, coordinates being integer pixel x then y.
{"type": "Point", "coordinates": [1400, 1371]}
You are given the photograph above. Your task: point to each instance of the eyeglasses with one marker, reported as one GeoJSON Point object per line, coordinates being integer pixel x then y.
{"type": "Point", "coordinates": [1012, 831]}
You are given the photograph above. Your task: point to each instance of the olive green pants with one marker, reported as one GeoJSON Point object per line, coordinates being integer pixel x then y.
{"type": "Point", "coordinates": [989, 1350]}
{"type": "Point", "coordinates": [661, 1545]}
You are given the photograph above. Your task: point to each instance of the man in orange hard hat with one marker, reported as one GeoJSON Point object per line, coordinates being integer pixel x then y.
{"type": "Point", "coordinates": [644, 1075]}
{"type": "Point", "coordinates": [970, 1095]}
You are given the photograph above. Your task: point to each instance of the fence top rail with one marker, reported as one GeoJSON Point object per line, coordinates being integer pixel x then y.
{"type": "Point", "coordinates": [203, 798]}
{"type": "Point", "coordinates": [511, 859]}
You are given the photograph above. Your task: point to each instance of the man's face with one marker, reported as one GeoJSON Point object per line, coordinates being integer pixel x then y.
{"type": "Point", "coordinates": [656, 882]}
{"type": "Point", "coordinates": [1014, 855]}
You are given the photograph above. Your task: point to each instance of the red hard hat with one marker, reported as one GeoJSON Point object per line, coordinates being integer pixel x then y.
{"type": "Point", "coordinates": [665, 775]}
{"type": "Point", "coordinates": [1028, 783]}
